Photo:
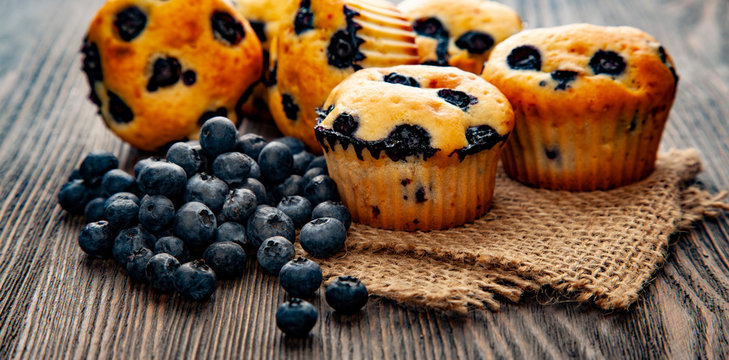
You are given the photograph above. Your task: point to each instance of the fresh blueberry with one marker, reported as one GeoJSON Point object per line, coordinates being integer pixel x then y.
{"type": "Point", "coordinates": [188, 157]}
{"type": "Point", "coordinates": [163, 178]}
{"type": "Point", "coordinates": [525, 57]}
{"type": "Point", "coordinates": [195, 280]}
{"type": "Point", "coordinates": [196, 225]}
{"type": "Point", "coordinates": [239, 205]}
{"type": "Point", "coordinates": [74, 196]}
{"type": "Point", "coordinates": [250, 144]}
{"type": "Point", "coordinates": [97, 239]}
{"type": "Point", "coordinates": [137, 264]}
{"type": "Point", "coordinates": [312, 173]}
{"type": "Point", "coordinates": [75, 175]}
{"type": "Point", "coordinates": [218, 135]}
{"type": "Point", "coordinates": [293, 185]}
{"type": "Point", "coordinates": [161, 270]}
{"type": "Point", "coordinates": [274, 253]}
{"type": "Point", "coordinates": [172, 245]}
{"type": "Point", "coordinates": [121, 213]}
{"type": "Point", "coordinates": [142, 164]}
{"type": "Point", "coordinates": [294, 144]}
{"type": "Point", "coordinates": [267, 222]}
{"type": "Point", "coordinates": [208, 190]}
{"type": "Point", "coordinates": [323, 237]}
{"type": "Point", "coordinates": [96, 164]}
{"type": "Point", "coordinates": [234, 232]}
{"type": "Point", "coordinates": [607, 62]}
{"type": "Point", "coordinates": [257, 188]}
{"type": "Point", "coordinates": [321, 188]}
{"type": "Point", "coordinates": [318, 162]}
{"type": "Point", "coordinates": [232, 167]}
{"type": "Point", "coordinates": [298, 208]}
{"type": "Point", "coordinates": [276, 162]}
{"type": "Point", "coordinates": [255, 171]}
{"type": "Point", "coordinates": [116, 181]}
{"type": "Point", "coordinates": [302, 161]}
{"type": "Point", "coordinates": [94, 210]}
{"type": "Point", "coordinates": [335, 210]}
{"type": "Point", "coordinates": [227, 259]}
{"type": "Point", "coordinates": [122, 195]}
{"type": "Point", "coordinates": [226, 28]}
{"type": "Point", "coordinates": [130, 22]}
{"type": "Point", "coordinates": [346, 294]}
{"type": "Point", "coordinates": [156, 212]}
{"type": "Point", "coordinates": [300, 277]}
{"type": "Point", "coordinates": [128, 241]}
{"type": "Point", "coordinates": [296, 317]}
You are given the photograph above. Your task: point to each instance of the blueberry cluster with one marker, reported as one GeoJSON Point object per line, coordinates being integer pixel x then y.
{"type": "Point", "coordinates": [184, 222]}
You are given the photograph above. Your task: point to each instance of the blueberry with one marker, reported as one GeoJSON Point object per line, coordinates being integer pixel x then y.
{"type": "Point", "coordinates": [276, 162]}
{"type": "Point", "coordinates": [122, 195]}
{"type": "Point", "coordinates": [267, 222]}
{"type": "Point", "coordinates": [395, 78]}
{"type": "Point", "coordinates": [408, 140]}
{"type": "Point", "coordinates": [218, 135]}
{"type": "Point", "coordinates": [563, 78]}
{"type": "Point", "coordinates": [232, 167]}
{"type": "Point", "coordinates": [196, 225]}
{"type": "Point", "coordinates": [323, 237]}
{"type": "Point", "coordinates": [142, 164]}
{"type": "Point", "coordinates": [239, 205]}
{"type": "Point", "coordinates": [293, 185]}
{"type": "Point", "coordinates": [475, 42]}
{"type": "Point", "coordinates": [97, 239]}
{"type": "Point", "coordinates": [298, 208]}
{"type": "Point", "coordinates": [120, 112]}
{"type": "Point", "coordinates": [116, 181]}
{"type": "Point", "coordinates": [345, 124]}
{"type": "Point", "coordinates": [172, 245]}
{"type": "Point", "coordinates": [335, 210]}
{"type": "Point", "coordinates": [302, 161]}
{"type": "Point", "coordinates": [304, 19]}
{"type": "Point", "coordinates": [156, 212]}
{"type": "Point", "coordinates": [91, 62]}
{"type": "Point", "coordinates": [482, 137]}
{"type": "Point", "coordinates": [137, 264]}
{"type": "Point", "coordinates": [189, 77]}
{"type": "Point", "coordinates": [296, 317]}
{"type": "Point", "coordinates": [294, 144]}
{"type": "Point", "coordinates": [300, 277]}
{"type": "Point", "coordinates": [226, 28]}
{"type": "Point", "coordinates": [161, 270]}
{"type": "Point", "coordinates": [259, 27]}
{"type": "Point", "coordinates": [321, 188]}
{"type": "Point", "coordinates": [163, 178]}
{"type": "Point", "coordinates": [457, 98]}
{"type": "Point", "coordinates": [208, 190]}
{"type": "Point", "coordinates": [128, 241]}
{"type": "Point", "coordinates": [525, 57]}
{"type": "Point", "coordinates": [250, 144]}
{"type": "Point", "coordinates": [234, 232]}
{"type": "Point", "coordinates": [343, 50]}
{"type": "Point", "coordinates": [74, 196]}
{"type": "Point", "coordinates": [607, 62]}
{"type": "Point", "coordinates": [274, 253]}
{"type": "Point", "coordinates": [430, 27]}
{"type": "Point", "coordinates": [257, 188]}
{"type": "Point", "coordinates": [130, 22]}
{"type": "Point", "coordinates": [94, 210]}
{"type": "Point", "coordinates": [121, 213]}
{"type": "Point", "coordinates": [96, 164]}
{"type": "Point", "coordinates": [289, 106]}
{"type": "Point", "coordinates": [226, 258]}
{"type": "Point", "coordinates": [195, 280]}
{"type": "Point", "coordinates": [75, 175]}
{"type": "Point", "coordinates": [188, 157]}
{"type": "Point", "coordinates": [312, 173]}
{"type": "Point", "coordinates": [166, 71]}
{"type": "Point", "coordinates": [346, 294]}
{"type": "Point", "coordinates": [255, 172]}
{"type": "Point", "coordinates": [207, 115]}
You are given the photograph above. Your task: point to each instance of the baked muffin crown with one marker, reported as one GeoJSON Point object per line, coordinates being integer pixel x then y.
{"type": "Point", "coordinates": [413, 110]}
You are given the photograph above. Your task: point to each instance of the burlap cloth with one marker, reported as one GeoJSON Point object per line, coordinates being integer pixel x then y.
{"type": "Point", "coordinates": [602, 247]}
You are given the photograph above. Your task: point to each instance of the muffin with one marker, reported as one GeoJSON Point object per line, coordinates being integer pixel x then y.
{"type": "Point", "coordinates": [590, 104]}
{"type": "Point", "coordinates": [414, 147]}
{"type": "Point", "coordinates": [461, 35]}
{"type": "Point", "coordinates": [158, 69]}
{"type": "Point", "coordinates": [321, 42]}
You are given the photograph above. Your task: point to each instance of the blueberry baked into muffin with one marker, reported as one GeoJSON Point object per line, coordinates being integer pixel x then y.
{"type": "Point", "coordinates": [590, 104]}
{"type": "Point", "coordinates": [321, 42]}
{"type": "Point", "coordinates": [414, 147]}
{"type": "Point", "coordinates": [459, 34]}
{"type": "Point", "coordinates": [158, 69]}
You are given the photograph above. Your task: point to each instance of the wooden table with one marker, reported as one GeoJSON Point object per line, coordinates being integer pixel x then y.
{"type": "Point", "coordinates": [56, 303]}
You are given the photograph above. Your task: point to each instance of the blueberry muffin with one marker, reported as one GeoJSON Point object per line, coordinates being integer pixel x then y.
{"type": "Point", "coordinates": [414, 147]}
{"type": "Point", "coordinates": [462, 34]}
{"type": "Point", "coordinates": [590, 104]}
{"type": "Point", "coordinates": [158, 69]}
{"type": "Point", "coordinates": [321, 42]}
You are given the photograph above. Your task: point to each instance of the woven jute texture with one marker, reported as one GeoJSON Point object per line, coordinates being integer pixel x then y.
{"type": "Point", "coordinates": [602, 246]}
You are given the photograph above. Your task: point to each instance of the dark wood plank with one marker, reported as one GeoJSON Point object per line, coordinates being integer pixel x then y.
{"type": "Point", "coordinates": [56, 303]}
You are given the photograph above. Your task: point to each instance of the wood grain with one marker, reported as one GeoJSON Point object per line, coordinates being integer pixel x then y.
{"type": "Point", "coordinates": [57, 303]}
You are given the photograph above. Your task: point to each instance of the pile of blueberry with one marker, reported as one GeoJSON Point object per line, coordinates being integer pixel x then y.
{"type": "Point", "coordinates": [186, 221]}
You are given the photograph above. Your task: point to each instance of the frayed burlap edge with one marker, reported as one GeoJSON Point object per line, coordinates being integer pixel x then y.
{"type": "Point", "coordinates": [601, 247]}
